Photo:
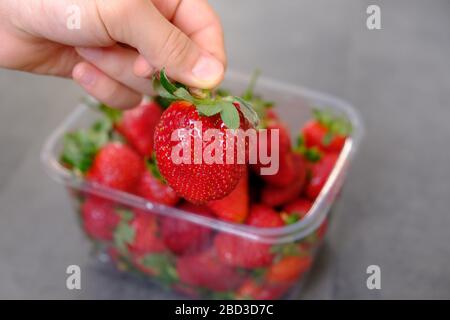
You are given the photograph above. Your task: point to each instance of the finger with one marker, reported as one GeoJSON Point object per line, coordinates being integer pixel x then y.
{"type": "Point", "coordinates": [104, 88]}
{"type": "Point", "coordinates": [197, 19]}
{"type": "Point", "coordinates": [162, 44]}
{"type": "Point", "coordinates": [117, 62]}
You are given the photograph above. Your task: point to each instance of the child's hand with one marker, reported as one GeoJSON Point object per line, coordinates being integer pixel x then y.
{"type": "Point", "coordinates": [119, 44]}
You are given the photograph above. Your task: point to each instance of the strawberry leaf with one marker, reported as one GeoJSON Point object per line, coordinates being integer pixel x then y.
{"type": "Point", "coordinates": [336, 125]}
{"type": "Point", "coordinates": [327, 138]}
{"type": "Point", "coordinates": [209, 109]}
{"type": "Point", "coordinates": [183, 94]}
{"type": "Point", "coordinates": [123, 235]}
{"type": "Point", "coordinates": [163, 102]}
{"type": "Point", "coordinates": [290, 218]}
{"type": "Point", "coordinates": [311, 154]}
{"type": "Point", "coordinates": [112, 114]}
{"type": "Point", "coordinates": [125, 215]}
{"type": "Point", "coordinates": [230, 115]}
{"type": "Point", "coordinates": [153, 167]}
{"type": "Point", "coordinates": [286, 249]}
{"type": "Point", "coordinates": [162, 265]}
{"type": "Point", "coordinates": [249, 92]}
{"type": "Point", "coordinates": [80, 147]}
{"type": "Point", "coordinates": [248, 111]}
{"type": "Point", "coordinates": [221, 92]}
{"type": "Point", "coordinates": [165, 82]}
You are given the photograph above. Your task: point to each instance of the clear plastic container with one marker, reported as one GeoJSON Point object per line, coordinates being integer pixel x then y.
{"type": "Point", "coordinates": [202, 277]}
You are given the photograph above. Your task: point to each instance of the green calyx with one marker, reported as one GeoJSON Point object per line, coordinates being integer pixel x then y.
{"type": "Point", "coordinates": [112, 114]}
{"type": "Point", "coordinates": [311, 154]}
{"type": "Point", "coordinates": [336, 125]}
{"type": "Point", "coordinates": [81, 146]}
{"type": "Point", "coordinates": [153, 168]}
{"type": "Point", "coordinates": [163, 265]}
{"type": "Point", "coordinates": [290, 218]}
{"type": "Point", "coordinates": [206, 103]}
{"type": "Point", "coordinates": [123, 236]}
{"type": "Point", "coordinates": [259, 104]}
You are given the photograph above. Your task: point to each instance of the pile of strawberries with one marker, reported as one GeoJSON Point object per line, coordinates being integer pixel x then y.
{"type": "Point", "coordinates": [128, 151]}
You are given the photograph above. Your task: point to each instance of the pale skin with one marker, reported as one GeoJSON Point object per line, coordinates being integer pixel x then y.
{"type": "Point", "coordinates": [120, 45]}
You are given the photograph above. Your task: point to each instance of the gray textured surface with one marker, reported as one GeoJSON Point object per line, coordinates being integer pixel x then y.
{"type": "Point", "coordinates": [394, 211]}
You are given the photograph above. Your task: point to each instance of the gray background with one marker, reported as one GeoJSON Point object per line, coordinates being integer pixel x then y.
{"type": "Point", "coordinates": [394, 211]}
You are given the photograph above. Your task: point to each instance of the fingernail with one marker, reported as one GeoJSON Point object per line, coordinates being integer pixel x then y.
{"type": "Point", "coordinates": [84, 76]}
{"type": "Point", "coordinates": [207, 69]}
{"type": "Point", "coordinates": [90, 53]}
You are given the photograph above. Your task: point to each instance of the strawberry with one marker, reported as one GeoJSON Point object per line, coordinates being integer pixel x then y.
{"type": "Point", "coordinates": [182, 236]}
{"type": "Point", "coordinates": [286, 170]}
{"type": "Point", "coordinates": [264, 216]}
{"type": "Point", "coordinates": [197, 183]}
{"type": "Point", "coordinates": [245, 253]}
{"type": "Point", "coordinates": [255, 290]}
{"type": "Point", "coordinates": [138, 234]}
{"type": "Point", "coordinates": [234, 207]}
{"type": "Point", "coordinates": [296, 210]}
{"type": "Point", "coordinates": [137, 125]}
{"type": "Point", "coordinates": [99, 218]}
{"type": "Point", "coordinates": [275, 196]}
{"type": "Point", "coordinates": [80, 146]}
{"type": "Point", "coordinates": [152, 187]}
{"type": "Point", "coordinates": [193, 178]}
{"type": "Point", "coordinates": [205, 270]}
{"type": "Point", "coordinates": [240, 252]}
{"type": "Point", "coordinates": [160, 266]}
{"type": "Point", "coordinates": [288, 269]}
{"type": "Point", "coordinates": [271, 114]}
{"type": "Point", "coordinates": [326, 132]}
{"type": "Point", "coordinates": [319, 174]}
{"type": "Point", "coordinates": [116, 166]}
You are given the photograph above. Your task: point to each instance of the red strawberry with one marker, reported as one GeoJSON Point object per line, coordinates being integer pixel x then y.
{"type": "Point", "coordinates": [137, 125]}
{"type": "Point", "coordinates": [319, 174]}
{"type": "Point", "coordinates": [288, 269]}
{"type": "Point", "coordinates": [138, 264]}
{"type": "Point", "coordinates": [197, 183]}
{"type": "Point", "coordinates": [286, 170]}
{"type": "Point", "coordinates": [234, 207]}
{"type": "Point", "coordinates": [145, 238]}
{"type": "Point", "coordinates": [178, 133]}
{"type": "Point", "coordinates": [254, 290]}
{"type": "Point", "coordinates": [276, 196]}
{"type": "Point", "coordinates": [264, 216]}
{"type": "Point", "coordinates": [272, 115]}
{"type": "Point", "coordinates": [327, 132]}
{"type": "Point", "coordinates": [157, 265]}
{"type": "Point", "coordinates": [240, 252]}
{"type": "Point", "coordinates": [116, 166]}
{"type": "Point", "coordinates": [182, 236]}
{"type": "Point", "coordinates": [205, 270]}
{"type": "Point", "coordinates": [296, 210]}
{"type": "Point", "coordinates": [99, 218]}
{"type": "Point", "coordinates": [154, 189]}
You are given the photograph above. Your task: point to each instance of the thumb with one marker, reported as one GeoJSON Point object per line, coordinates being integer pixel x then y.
{"type": "Point", "coordinates": [160, 43]}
